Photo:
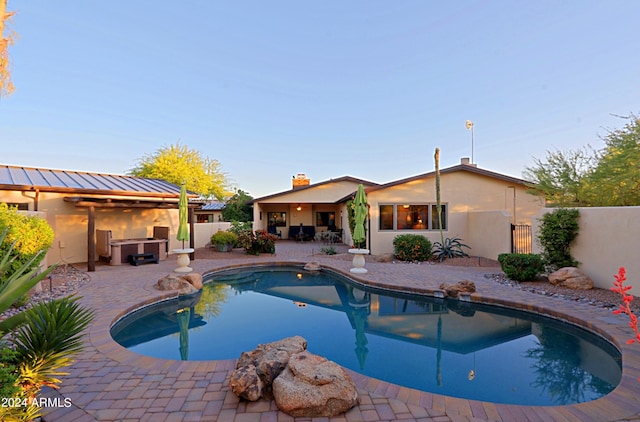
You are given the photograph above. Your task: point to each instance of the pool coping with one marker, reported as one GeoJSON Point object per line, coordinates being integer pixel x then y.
{"type": "Point", "coordinates": [622, 403]}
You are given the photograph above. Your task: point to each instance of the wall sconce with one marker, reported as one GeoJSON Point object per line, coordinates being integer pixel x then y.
{"type": "Point", "coordinates": [299, 208]}
{"type": "Point", "coordinates": [260, 215]}
{"type": "Point", "coordinates": [299, 275]}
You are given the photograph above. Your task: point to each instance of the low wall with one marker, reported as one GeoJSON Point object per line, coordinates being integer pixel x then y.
{"type": "Point", "coordinates": [204, 231]}
{"type": "Point", "coordinates": [488, 234]}
{"type": "Point", "coordinates": [607, 240]}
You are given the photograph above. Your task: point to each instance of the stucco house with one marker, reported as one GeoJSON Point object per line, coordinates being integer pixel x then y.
{"type": "Point", "coordinates": [319, 207]}
{"type": "Point", "coordinates": [479, 206]}
{"type": "Point", "coordinates": [79, 205]}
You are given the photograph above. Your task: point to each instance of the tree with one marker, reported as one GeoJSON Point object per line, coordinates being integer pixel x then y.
{"type": "Point", "coordinates": [6, 87]}
{"type": "Point", "coordinates": [178, 164]}
{"type": "Point", "coordinates": [618, 169]}
{"type": "Point", "coordinates": [584, 177]}
{"type": "Point", "coordinates": [562, 177]}
{"type": "Point", "coordinates": [237, 208]}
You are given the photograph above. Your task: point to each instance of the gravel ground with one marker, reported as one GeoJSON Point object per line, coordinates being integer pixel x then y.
{"type": "Point", "coordinates": [64, 281]}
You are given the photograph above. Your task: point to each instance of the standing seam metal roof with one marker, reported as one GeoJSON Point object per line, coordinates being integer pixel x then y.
{"type": "Point", "coordinates": [20, 178]}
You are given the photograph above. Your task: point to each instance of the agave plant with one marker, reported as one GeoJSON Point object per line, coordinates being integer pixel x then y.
{"type": "Point", "coordinates": [17, 284]}
{"type": "Point", "coordinates": [451, 248]}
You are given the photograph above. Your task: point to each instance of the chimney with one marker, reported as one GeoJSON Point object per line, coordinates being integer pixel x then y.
{"type": "Point", "coordinates": [300, 180]}
{"type": "Point", "coordinates": [466, 162]}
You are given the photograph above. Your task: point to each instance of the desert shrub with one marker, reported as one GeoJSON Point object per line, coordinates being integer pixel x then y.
{"type": "Point", "coordinates": [558, 229]}
{"type": "Point", "coordinates": [451, 248]}
{"type": "Point", "coordinates": [411, 247]}
{"type": "Point", "coordinates": [27, 234]}
{"type": "Point", "coordinates": [521, 266]}
{"type": "Point", "coordinates": [260, 241]}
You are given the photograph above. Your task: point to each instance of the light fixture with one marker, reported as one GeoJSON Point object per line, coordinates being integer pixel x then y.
{"type": "Point", "coordinates": [406, 206]}
{"type": "Point", "coordinates": [469, 125]}
{"type": "Point", "coordinates": [299, 208]}
{"type": "Point", "coordinates": [299, 275]}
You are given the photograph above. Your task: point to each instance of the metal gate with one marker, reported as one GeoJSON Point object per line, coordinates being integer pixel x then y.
{"type": "Point", "coordinates": [521, 239]}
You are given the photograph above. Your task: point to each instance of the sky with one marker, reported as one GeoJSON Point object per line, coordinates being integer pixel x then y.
{"type": "Point", "coordinates": [362, 88]}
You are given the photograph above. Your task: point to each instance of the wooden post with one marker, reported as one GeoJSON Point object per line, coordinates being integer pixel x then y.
{"type": "Point", "coordinates": [91, 239]}
{"type": "Point", "coordinates": [192, 256]}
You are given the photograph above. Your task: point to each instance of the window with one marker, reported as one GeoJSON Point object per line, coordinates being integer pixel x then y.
{"type": "Point", "coordinates": [411, 217]}
{"type": "Point", "coordinates": [277, 219]}
{"type": "Point", "coordinates": [325, 219]}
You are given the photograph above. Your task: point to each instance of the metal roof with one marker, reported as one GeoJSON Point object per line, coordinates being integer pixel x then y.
{"type": "Point", "coordinates": [213, 206]}
{"type": "Point", "coordinates": [67, 181]}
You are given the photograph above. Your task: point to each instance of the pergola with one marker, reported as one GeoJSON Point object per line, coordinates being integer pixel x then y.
{"type": "Point", "coordinates": [92, 203]}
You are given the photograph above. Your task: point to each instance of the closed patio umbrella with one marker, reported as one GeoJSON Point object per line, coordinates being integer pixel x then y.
{"type": "Point", "coordinates": [183, 210]}
{"type": "Point", "coordinates": [360, 202]}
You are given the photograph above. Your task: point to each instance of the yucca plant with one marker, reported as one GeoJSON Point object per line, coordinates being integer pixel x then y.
{"type": "Point", "coordinates": [51, 334]}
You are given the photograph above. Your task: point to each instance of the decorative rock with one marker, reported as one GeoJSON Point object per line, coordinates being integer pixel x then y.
{"type": "Point", "coordinates": [386, 257]}
{"type": "Point", "coordinates": [454, 290]}
{"type": "Point", "coordinates": [195, 279]}
{"type": "Point", "coordinates": [256, 370]}
{"type": "Point", "coordinates": [246, 383]}
{"type": "Point", "coordinates": [572, 278]}
{"type": "Point", "coordinates": [172, 282]}
{"type": "Point", "coordinates": [312, 266]}
{"type": "Point", "coordinates": [312, 386]}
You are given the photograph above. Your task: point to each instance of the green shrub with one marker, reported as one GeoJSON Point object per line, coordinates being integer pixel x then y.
{"type": "Point", "coordinates": [558, 229]}
{"type": "Point", "coordinates": [521, 266]}
{"type": "Point", "coordinates": [224, 238]}
{"type": "Point", "coordinates": [260, 241]}
{"type": "Point", "coordinates": [451, 248]}
{"type": "Point", "coordinates": [411, 247]}
{"type": "Point", "coordinates": [27, 234]}
{"type": "Point", "coordinates": [239, 227]}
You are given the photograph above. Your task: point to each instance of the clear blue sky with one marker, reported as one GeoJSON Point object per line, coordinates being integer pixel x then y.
{"type": "Point", "coordinates": [329, 88]}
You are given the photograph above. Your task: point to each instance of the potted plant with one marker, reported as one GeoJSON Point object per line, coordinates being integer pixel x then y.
{"type": "Point", "coordinates": [224, 241]}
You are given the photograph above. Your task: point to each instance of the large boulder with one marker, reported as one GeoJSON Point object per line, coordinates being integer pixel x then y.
{"type": "Point", "coordinates": [256, 369]}
{"type": "Point", "coordinates": [194, 279]}
{"type": "Point", "coordinates": [172, 282]}
{"type": "Point", "coordinates": [572, 278]}
{"type": "Point", "coordinates": [312, 386]}
{"type": "Point", "coordinates": [454, 290]}
{"type": "Point", "coordinates": [246, 383]}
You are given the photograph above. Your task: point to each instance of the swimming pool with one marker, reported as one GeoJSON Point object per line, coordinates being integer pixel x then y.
{"type": "Point", "coordinates": [441, 346]}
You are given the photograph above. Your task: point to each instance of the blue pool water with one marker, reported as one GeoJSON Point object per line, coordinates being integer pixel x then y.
{"type": "Point", "coordinates": [440, 346]}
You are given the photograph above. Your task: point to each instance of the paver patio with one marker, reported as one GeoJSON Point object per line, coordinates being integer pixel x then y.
{"type": "Point", "coordinates": [109, 383]}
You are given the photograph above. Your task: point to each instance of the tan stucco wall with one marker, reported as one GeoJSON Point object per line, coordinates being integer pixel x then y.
{"type": "Point", "coordinates": [489, 233]}
{"type": "Point", "coordinates": [204, 231]}
{"type": "Point", "coordinates": [607, 240]}
{"type": "Point", "coordinates": [463, 193]}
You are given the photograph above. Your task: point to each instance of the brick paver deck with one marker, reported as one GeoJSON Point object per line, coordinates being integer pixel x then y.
{"type": "Point", "coordinates": [109, 383]}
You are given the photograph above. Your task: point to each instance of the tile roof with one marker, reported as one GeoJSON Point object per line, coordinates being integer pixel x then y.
{"type": "Point", "coordinates": [67, 181]}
